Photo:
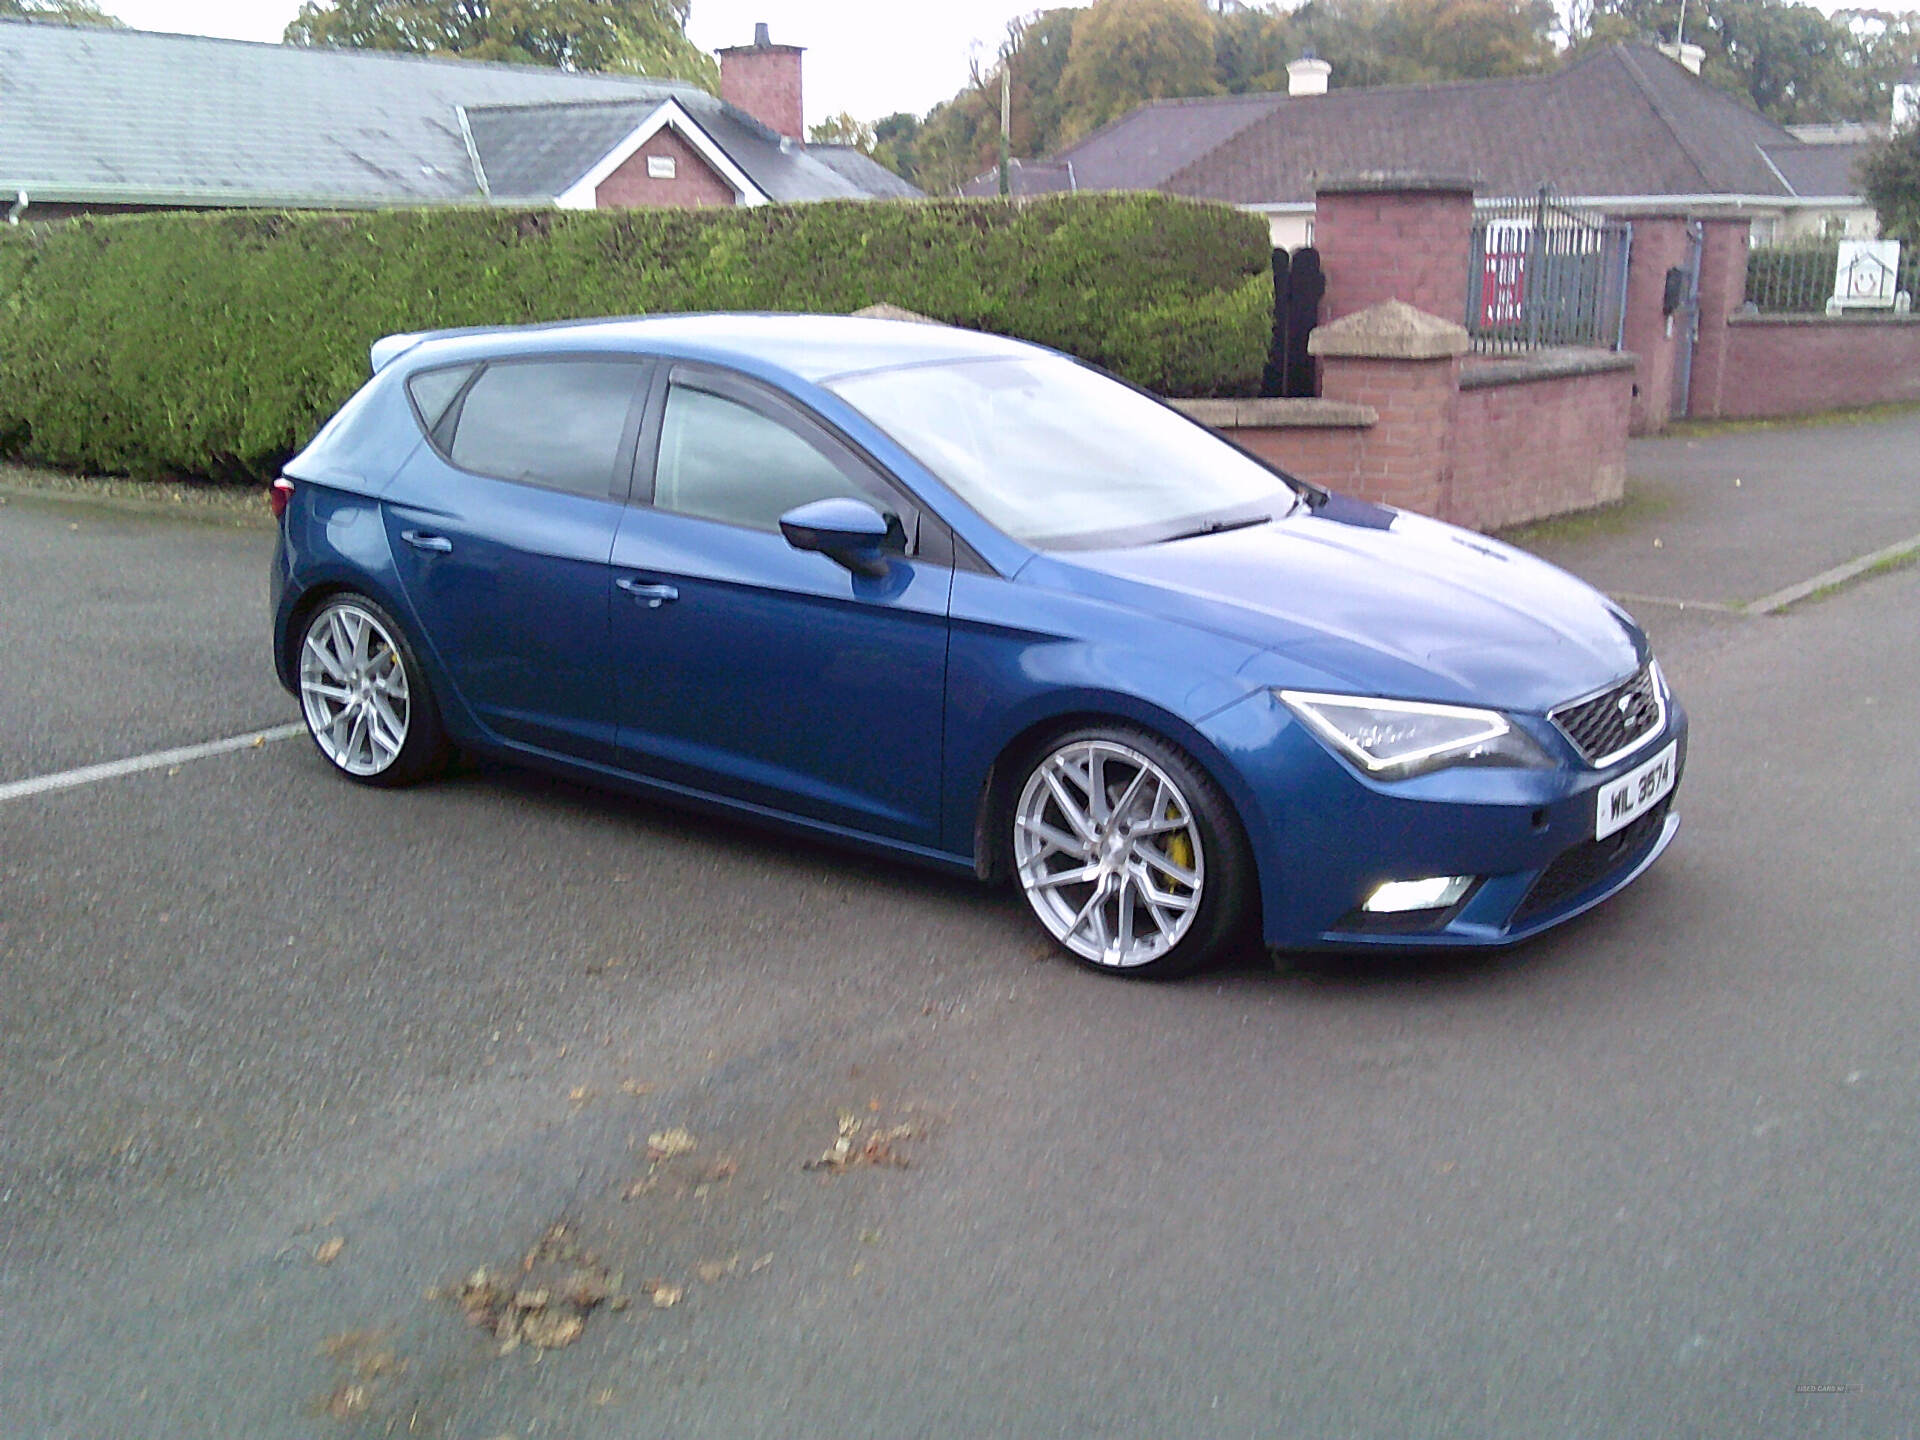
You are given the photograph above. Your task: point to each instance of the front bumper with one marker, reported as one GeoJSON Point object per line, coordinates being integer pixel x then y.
{"type": "Point", "coordinates": [1325, 836]}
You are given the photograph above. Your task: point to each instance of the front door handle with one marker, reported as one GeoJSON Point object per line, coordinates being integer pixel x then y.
{"type": "Point", "coordinates": [421, 540]}
{"type": "Point", "coordinates": [654, 595]}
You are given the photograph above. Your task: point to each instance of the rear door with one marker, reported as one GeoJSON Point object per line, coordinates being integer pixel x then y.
{"type": "Point", "coordinates": [756, 671]}
{"type": "Point", "coordinates": [502, 529]}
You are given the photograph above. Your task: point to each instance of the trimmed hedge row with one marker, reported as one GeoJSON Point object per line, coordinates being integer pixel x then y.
{"type": "Point", "coordinates": [213, 345]}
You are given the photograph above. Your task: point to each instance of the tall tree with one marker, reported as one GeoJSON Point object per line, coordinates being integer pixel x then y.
{"type": "Point", "coordinates": [1890, 178]}
{"type": "Point", "coordinates": [59, 12]}
{"type": "Point", "coordinates": [638, 36]}
{"type": "Point", "coordinates": [1126, 52]}
{"type": "Point", "coordinates": [1788, 60]}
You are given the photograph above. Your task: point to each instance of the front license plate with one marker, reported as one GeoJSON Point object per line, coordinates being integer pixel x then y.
{"type": "Point", "coordinates": [1622, 800]}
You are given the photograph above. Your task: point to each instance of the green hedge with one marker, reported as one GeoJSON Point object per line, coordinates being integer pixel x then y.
{"type": "Point", "coordinates": [214, 344]}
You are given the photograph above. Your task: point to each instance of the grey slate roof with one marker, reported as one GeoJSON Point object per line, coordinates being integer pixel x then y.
{"type": "Point", "coordinates": [122, 116]}
{"type": "Point", "coordinates": [1821, 169]}
{"type": "Point", "coordinates": [1624, 121]}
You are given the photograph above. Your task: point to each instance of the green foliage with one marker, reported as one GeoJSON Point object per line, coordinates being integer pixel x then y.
{"type": "Point", "coordinates": [1890, 179]}
{"type": "Point", "coordinates": [643, 36]}
{"type": "Point", "coordinates": [62, 12]}
{"type": "Point", "coordinates": [1789, 61]}
{"type": "Point", "coordinates": [1125, 52]}
{"type": "Point", "coordinates": [213, 345]}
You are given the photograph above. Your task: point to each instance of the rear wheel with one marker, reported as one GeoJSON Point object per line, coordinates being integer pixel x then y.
{"type": "Point", "coordinates": [364, 697]}
{"type": "Point", "coordinates": [1128, 853]}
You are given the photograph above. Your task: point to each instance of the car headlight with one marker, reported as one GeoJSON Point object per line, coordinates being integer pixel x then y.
{"type": "Point", "coordinates": [1396, 739]}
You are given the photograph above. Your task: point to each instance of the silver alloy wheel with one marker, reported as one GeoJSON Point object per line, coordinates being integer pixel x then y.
{"type": "Point", "coordinates": [1108, 853]}
{"type": "Point", "coordinates": [353, 687]}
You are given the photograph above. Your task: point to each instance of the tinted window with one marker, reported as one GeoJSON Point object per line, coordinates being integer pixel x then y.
{"type": "Point", "coordinates": [556, 423]}
{"type": "Point", "coordinates": [434, 390]}
{"type": "Point", "coordinates": [720, 460]}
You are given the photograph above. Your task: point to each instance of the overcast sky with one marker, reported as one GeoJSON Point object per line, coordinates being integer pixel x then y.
{"type": "Point", "coordinates": [870, 57]}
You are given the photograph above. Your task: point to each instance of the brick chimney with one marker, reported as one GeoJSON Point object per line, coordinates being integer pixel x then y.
{"type": "Point", "coordinates": [763, 79]}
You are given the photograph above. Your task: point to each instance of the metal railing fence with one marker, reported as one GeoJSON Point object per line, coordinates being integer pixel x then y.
{"type": "Point", "coordinates": [1545, 273]}
{"type": "Point", "coordinates": [1796, 278]}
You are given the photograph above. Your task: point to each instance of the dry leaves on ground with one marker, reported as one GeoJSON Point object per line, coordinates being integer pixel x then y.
{"type": "Point", "coordinates": [865, 1142]}
{"type": "Point", "coordinates": [559, 1286]}
{"type": "Point", "coordinates": [328, 1251]}
{"type": "Point", "coordinates": [365, 1357]}
{"type": "Point", "coordinates": [667, 1144]}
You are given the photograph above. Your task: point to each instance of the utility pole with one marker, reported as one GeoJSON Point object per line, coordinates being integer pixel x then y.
{"type": "Point", "coordinates": [1006, 125]}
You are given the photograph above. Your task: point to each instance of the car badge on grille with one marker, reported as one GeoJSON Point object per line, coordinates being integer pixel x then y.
{"type": "Point", "coordinates": [1626, 709]}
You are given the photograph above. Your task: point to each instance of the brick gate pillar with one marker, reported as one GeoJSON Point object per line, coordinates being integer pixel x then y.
{"type": "Point", "coordinates": [1659, 244]}
{"type": "Point", "coordinates": [1405, 364]}
{"type": "Point", "coordinates": [1389, 236]}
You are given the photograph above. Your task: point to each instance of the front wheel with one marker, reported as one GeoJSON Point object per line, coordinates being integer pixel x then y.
{"type": "Point", "coordinates": [364, 697]}
{"type": "Point", "coordinates": [1128, 853]}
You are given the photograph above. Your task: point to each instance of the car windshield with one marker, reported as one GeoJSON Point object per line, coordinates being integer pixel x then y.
{"type": "Point", "coordinates": [1060, 457]}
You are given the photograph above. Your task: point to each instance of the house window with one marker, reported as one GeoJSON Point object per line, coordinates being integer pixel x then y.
{"type": "Point", "coordinates": [1764, 230]}
{"type": "Point", "coordinates": [660, 167]}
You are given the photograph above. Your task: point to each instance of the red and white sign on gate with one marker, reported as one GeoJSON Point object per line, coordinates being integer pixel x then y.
{"type": "Point", "coordinates": [1503, 282]}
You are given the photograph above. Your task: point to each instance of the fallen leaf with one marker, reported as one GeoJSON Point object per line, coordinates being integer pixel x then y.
{"type": "Point", "coordinates": [329, 1250]}
{"type": "Point", "coordinates": [666, 1144]}
{"type": "Point", "coordinates": [635, 1087]}
{"type": "Point", "coordinates": [760, 1264]}
{"type": "Point", "coordinates": [580, 1094]}
{"type": "Point", "coordinates": [586, 1289]}
{"type": "Point", "coordinates": [663, 1295]}
{"type": "Point", "coordinates": [711, 1270]}
{"type": "Point", "coordinates": [347, 1401]}
{"type": "Point", "coordinates": [531, 1300]}
{"type": "Point", "coordinates": [551, 1329]}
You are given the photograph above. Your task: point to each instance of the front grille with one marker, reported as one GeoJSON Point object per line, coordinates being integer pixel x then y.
{"type": "Point", "coordinates": [1590, 862]}
{"type": "Point", "coordinates": [1606, 726]}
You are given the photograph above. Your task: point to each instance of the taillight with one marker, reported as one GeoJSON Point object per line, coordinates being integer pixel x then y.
{"type": "Point", "coordinates": [279, 495]}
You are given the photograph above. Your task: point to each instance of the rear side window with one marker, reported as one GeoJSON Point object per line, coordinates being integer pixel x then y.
{"type": "Point", "coordinates": [553, 423]}
{"type": "Point", "coordinates": [433, 391]}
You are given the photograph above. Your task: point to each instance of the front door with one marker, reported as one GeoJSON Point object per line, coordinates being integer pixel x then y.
{"type": "Point", "coordinates": [755, 671]}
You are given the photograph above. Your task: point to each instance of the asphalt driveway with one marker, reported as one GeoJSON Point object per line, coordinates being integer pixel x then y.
{"type": "Point", "coordinates": [282, 1062]}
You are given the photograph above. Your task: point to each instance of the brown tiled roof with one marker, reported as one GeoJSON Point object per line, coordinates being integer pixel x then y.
{"type": "Point", "coordinates": [1622, 121]}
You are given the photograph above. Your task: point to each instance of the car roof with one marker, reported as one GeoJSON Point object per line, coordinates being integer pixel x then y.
{"type": "Point", "coordinates": [810, 347]}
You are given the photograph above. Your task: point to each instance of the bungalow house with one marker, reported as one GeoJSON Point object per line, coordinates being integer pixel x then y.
{"type": "Point", "coordinates": [105, 120]}
{"type": "Point", "coordinates": [1629, 129]}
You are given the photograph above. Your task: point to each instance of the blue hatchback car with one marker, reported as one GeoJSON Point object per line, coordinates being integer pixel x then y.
{"type": "Point", "coordinates": [970, 601]}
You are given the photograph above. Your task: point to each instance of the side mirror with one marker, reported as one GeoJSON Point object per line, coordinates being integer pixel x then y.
{"type": "Point", "coordinates": [849, 531]}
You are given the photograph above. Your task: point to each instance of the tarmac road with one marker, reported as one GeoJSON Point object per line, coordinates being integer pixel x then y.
{"type": "Point", "coordinates": [1653, 1175]}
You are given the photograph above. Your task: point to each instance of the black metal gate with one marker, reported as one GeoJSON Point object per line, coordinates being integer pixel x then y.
{"type": "Point", "coordinates": [1545, 273]}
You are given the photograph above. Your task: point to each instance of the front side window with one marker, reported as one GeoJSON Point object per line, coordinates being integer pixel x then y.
{"type": "Point", "coordinates": [553, 423]}
{"type": "Point", "coordinates": [721, 460]}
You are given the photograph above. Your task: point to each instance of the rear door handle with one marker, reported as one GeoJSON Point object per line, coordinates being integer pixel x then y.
{"type": "Point", "coordinates": [654, 595]}
{"type": "Point", "coordinates": [421, 540]}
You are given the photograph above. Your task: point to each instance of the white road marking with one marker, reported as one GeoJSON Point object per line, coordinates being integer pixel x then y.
{"type": "Point", "coordinates": [158, 759]}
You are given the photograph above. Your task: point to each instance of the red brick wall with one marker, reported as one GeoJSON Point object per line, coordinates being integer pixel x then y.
{"type": "Point", "coordinates": [764, 81]}
{"type": "Point", "coordinates": [1409, 245]}
{"type": "Point", "coordinates": [1486, 456]}
{"type": "Point", "coordinates": [1534, 448]}
{"type": "Point", "coordinates": [1791, 365]}
{"type": "Point", "coordinates": [1327, 455]}
{"type": "Point", "coordinates": [1407, 458]}
{"type": "Point", "coordinates": [1659, 243]}
{"type": "Point", "coordinates": [694, 183]}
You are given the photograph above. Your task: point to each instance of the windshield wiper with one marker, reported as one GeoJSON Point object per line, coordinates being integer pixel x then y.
{"type": "Point", "coordinates": [1216, 527]}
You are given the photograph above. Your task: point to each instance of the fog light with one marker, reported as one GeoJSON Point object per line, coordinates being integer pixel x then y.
{"type": "Point", "coordinates": [1396, 897]}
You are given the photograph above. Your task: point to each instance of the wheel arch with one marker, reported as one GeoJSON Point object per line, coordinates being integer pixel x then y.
{"type": "Point", "coordinates": [994, 796]}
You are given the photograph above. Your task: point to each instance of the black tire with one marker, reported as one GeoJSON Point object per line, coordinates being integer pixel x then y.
{"type": "Point", "coordinates": [1185, 826]}
{"type": "Point", "coordinates": [349, 700]}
